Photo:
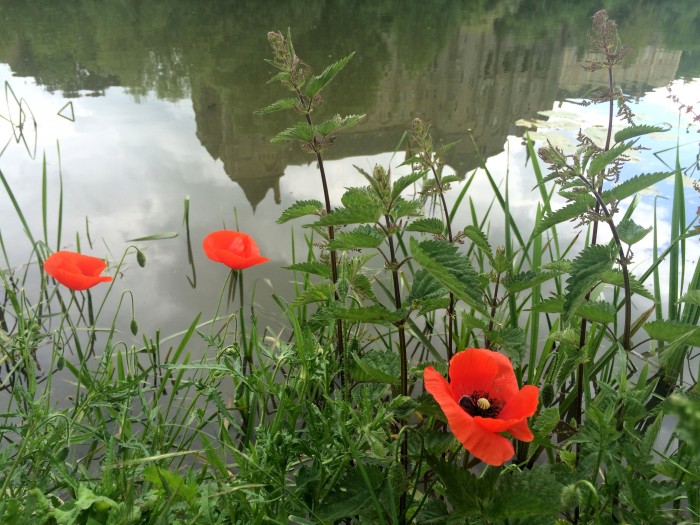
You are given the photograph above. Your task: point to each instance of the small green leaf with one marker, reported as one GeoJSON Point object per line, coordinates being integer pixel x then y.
{"type": "Point", "coordinates": [316, 83]}
{"type": "Point", "coordinates": [376, 314]}
{"type": "Point", "coordinates": [634, 185]}
{"type": "Point", "coordinates": [586, 271]}
{"type": "Point", "coordinates": [404, 182]}
{"type": "Point", "coordinates": [278, 105]}
{"type": "Point", "coordinates": [525, 280]}
{"type": "Point", "coordinates": [301, 131]}
{"type": "Point", "coordinates": [631, 132]}
{"type": "Point", "coordinates": [596, 311]}
{"type": "Point", "coordinates": [691, 297]}
{"type": "Point", "coordinates": [337, 123]}
{"type": "Point", "coordinates": [360, 196]}
{"type": "Point", "coordinates": [300, 209]}
{"type": "Point", "coordinates": [377, 367]}
{"type": "Point", "coordinates": [428, 225]}
{"type": "Point", "coordinates": [615, 277]}
{"type": "Point", "coordinates": [631, 232]}
{"type": "Point", "coordinates": [314, 294]}
{"type": "Point", "coordinates": [569, 212]}
{"type": "Point", "coordinates": [354, 215]}
{"type": "Point", "coordinates": [361, 237]}
{"type": "Point", "coordinates": [425, 287]}
{"type": "Point", "coordinates": [511, 340]}
{"type": "Point", "coordinates": [552, 305]}
{"type": "Point", "coordinates": [403, 208]}
{"type": "Point", "coordinates": [672, 330]}
{"type": "Point", "coordinates": [600, 161]}
{"type": "Point", "coordinates": [312, 267]}
{"type": "Point", "coordinates": [480, 239]}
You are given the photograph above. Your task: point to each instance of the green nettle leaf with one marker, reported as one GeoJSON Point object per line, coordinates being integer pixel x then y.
{"type": "Point", "coordinates": [443, 261]}
{"type": "Point", "coordinates": [316, 83]}
{"type": "Point", "coordinates": [543, 426]}
{"type": "Point", "coordinates": [354, 215]}
{"type": "Point", "coordinates": [599, 162]}
{"type": "Point", "coordinates": [377, 367]}
{"type": "Point", "coordinates": [300, 209]}
{"type": "Point", "coordinates": [631, 232]}
{"type": "Point", "coordinates": [596, 311]}
{"type": "Point", "coordinates": [448, 179]}
{"type": "Point", "coordinates": [336, 123]}
{"type": "Point", "coordinates": [672, 330]}
{"type": "Point", "coordinates": [568, 336]}
{"type": "Point", "coordinates": [480, 239]}
{"type": "Point", "coordinates": [314, 294]}
{"type": "Point", "coordinates": [634, 185]}
{"type": "Point", "coordinates": [514, 493]}
{"type": "Point", "coordinates": [362, 286]}
{"type": "Point", "coordinates": [615, 277]}
{"type": "Point", "coordinates": [170, 483]}
{"type": "Point", "coordinates": [428, 225]}
{"type": "Point", "coordinates": [300, 131]}
{"type": "Point", "coordinates": [403, 208]}
{"type": "Point", "coordinates": [586, 272]}
{"type": "Point", "coordinates": [278, 105]}
{"type": "Point", "coordinates": [360, 197]}
{"type": "Point", "coordinates": [528, 279]}
{"type": "Point", "coordinates": [404, 182]}
{"type": "Point", "coordinates": [561, 266]}
{"type": "Point", "coordinates": [552, 305]}
{"type": "Point", "coordinates": [469, 495]}
{"type": "Point", "coordinates": [631, 132]}
{"type": "Point", "coordinates": [691, 297]}
{"type": "Point", "coordinates": [361, 237]}
{"type": "Point", "coordinates": [312, 267]}
{"type": "Point", "coordinates": [425, 288]}
{"type": "Point", "coordinates": [511, 340]}
{"type": "Point", "coordinates": [569, 212]}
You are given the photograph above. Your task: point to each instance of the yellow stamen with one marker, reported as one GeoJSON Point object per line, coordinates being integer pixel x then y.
{"type": "Point", "coordinates": [483, 403]}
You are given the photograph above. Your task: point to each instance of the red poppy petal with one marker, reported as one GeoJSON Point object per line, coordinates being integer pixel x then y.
{"type": "Point", "coordinates": [79, 282]}
{"type": "Point", "coordinates": [234, 249]}
{"type": "Point", "coordinates": [483, 444]}
{"type": "Point", "coordinates": [523, 404]}
{"type": "Point", "coordinates": [478, 369]}
{"type": "Point", "coordinates": [237, 262]}
{"type": "Point", "coordinates": [521, 431]}
{"type": "Point", "coordinates": [75, 270]}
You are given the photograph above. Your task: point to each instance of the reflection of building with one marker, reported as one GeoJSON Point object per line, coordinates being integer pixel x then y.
{"type": "Point", "coordinates": [480, 81]}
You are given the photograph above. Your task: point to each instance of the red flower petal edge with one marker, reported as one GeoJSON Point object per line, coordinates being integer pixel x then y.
{"type": "Point", "coordinates": [234, 249]}
{"type": "Point", "coordinates": [482, 400]}
{"type": "Point", "coordinates": [75, 270]}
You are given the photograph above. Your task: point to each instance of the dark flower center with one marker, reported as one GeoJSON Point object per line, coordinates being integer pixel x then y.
{"type": "Point", "coordinates": [480, 404]}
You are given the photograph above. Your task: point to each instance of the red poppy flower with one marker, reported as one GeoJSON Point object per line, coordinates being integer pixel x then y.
{"type": "Point", "coordinates": [235, 249]}
{"type": "Point", "coordinates": [481, 400]}
{"type": "Point", "coordinates": [75, 270]}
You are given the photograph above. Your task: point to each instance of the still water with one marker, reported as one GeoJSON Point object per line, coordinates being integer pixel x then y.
{"type": "Point", "coordinates": [151, 103]}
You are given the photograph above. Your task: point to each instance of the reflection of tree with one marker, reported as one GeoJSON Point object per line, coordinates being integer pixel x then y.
{"type": "Point", "coordinates": [476, 65]}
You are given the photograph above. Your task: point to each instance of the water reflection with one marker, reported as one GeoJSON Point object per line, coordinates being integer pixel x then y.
{"type": "Point", "coordinates": [165, 101]}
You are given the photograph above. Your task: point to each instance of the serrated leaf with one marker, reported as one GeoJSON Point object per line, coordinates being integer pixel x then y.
{"type": "Point", "coordinates": [448, 179]}
{"type": "Point", "coordinates": [300, 131]}
{"type": "Point", "coordinates": [527, 279]}
{"type": "Point", "coordinates": [312, 267]}
{"type": "Point", "coordinates": [513, 497]}
{"type": "Point", "coordinates": [467, 493]}
{"type": "Point", "coordinates": [479, 238]}
{"type": "Point", "coordinates": [377, 367]}
{"type": "Point", "coordinates": [586, 271]}
{"type": "Point", "coordinates": [360, 196]}
{"type": "Point", "coordinates": [600, 161]}
{"type": "Point", "coordinates": [691, 297]}
{"type": "Point", "coordinates": [631, 132]}
{"type": "Point", "coordinates": [672, 330]}
{"type": "Point", "coordinates": [425, 288]}
{"type": "Point", "coordinates": [616, 278]}
{"type": "Point", "coordinates": [634, 185]}
{"type": "Point", "coordinates": [596, 311]}
{"type": "Point", "coordinates": [362, 286]}
{"type": "Point", "coordinates": [428, 225]}
{"type": "Point", "coordinates": [354, 215]}
{"type": "Point", "coordinates": [552, 305]}
{"type": "Point", "coordinates": [631, 232]}
{"type": "Point", "coordinates": [442, 260]}
{"type": "Point", "coordinates": [314, 294]}
{"type": "Point", "coordinates": [570, 211]}
{"type": "Point", "coordinates": [562, 266]}
{"type": "Point", "coordinates": [300, 209]}
{"type": "Point", "coordinates": [316, 83]}
{"type": "Point", "coordinates": [336, 123]}
{"type": "Point", "coordinates": [568, 336]}
{"type": "Point", "coordinates": [404, 182]}
{"type": "Point", "coordinates": [403, 208]}
{"type": "Point", "coordinates": [511, 340]}
{"type": "Point", "coordinates": [361, 237]}
{"type": "Point", "coordinates": [278, 105]}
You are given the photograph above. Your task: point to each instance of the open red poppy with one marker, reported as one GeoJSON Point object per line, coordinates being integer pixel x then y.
{"type": "Point", "coordinates": [75, 270]}
{"type": "Point", "coordinates": [235, 249]}
{"type": "Point", "coordinates": [481, 400]}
